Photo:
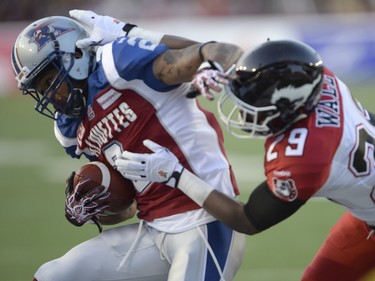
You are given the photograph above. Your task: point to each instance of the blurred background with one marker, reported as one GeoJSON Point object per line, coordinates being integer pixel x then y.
{"type": "Point", "coordinates": [33, 167]}
{"type": "Point", "coordinates": [341, 30]}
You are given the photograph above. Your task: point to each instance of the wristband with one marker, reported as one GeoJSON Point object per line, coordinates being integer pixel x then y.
{"type": "Point", "coordinates": [210, 65]}
{"type": "Point", "coordinates": [127, 27]}
{"type": "Point", "coordinates": [201, 51]}
{"type": "Point", "coordinates": [194, 187]}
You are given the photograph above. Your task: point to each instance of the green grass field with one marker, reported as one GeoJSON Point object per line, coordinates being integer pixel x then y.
{"type": "Point", "coordinates": [33, 169]}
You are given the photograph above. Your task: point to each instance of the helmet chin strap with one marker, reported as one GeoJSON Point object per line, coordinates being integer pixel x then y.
{"type": "Point", "coordinates": [76, 101]}
{"type": "Point", "coordinates": [75, 104]}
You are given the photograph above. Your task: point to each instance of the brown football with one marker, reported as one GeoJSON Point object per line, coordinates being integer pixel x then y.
{"type": "Point", "coordinates": [122, 190]}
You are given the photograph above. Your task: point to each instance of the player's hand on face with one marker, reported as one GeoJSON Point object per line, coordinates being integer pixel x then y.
{"type": "Point", "coordinates": [208, 81]}
{"type": "Point", "coordinates": [102, 29]}
{"type": "Point", "coordinates": [82, 206]}
{"type": "Point", "coordinates": [160, 166]}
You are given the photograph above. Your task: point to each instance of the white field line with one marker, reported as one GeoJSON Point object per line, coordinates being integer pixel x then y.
{"type": "Point", "coordinates": [24, 154]}
{"type": "Point", "coordinates": [248, 168]}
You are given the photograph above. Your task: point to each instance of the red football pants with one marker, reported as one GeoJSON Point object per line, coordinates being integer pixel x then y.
{"type": "Point", "coordinates": [346, 255]}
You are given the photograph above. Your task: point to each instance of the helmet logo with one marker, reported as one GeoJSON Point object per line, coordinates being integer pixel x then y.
{"type": "Point", "coordinates": [295, 94]}
{"type": "Point", "coordinates": [41, 34]}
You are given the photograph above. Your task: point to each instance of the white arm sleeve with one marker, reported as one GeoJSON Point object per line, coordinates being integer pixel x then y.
{"type": "Point", "coordinates": [152, 36]}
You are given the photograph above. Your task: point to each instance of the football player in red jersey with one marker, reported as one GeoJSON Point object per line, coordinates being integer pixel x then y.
{"type": "Point", "coordinates": [134, 88]}
{"type": "Point", "coordinates": [319, 142]}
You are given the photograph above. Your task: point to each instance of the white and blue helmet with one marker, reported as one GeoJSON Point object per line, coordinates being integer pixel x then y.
{"type": "Point", "coordinates": [51, 42]}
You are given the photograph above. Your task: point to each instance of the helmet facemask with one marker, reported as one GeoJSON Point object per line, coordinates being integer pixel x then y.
{"type": "Point", "coordinates": [60, 95]}
{"type": "Point", "coordinates": [244, 120]}
{"type": "Point", "coordinates": [264, 103]}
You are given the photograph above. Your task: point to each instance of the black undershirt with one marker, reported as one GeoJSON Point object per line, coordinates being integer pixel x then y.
{"type": "Point", "coordinates": [264, 209]}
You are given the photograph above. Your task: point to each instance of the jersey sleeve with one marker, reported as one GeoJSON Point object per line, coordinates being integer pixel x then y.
{"type": "Point", "coordinates": [66, 129]}
{"type": "Point", "coordinates": [298, 163]}
{"type": "Point", "coordinates": [277, 210]}
{"type": "Point", "coordinates": [301, 183]}
{"type": "Point", "coordinates": [133, 60]}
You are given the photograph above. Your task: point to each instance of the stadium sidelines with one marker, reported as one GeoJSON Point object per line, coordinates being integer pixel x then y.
{"type": "Point", "coordinates": [248, 168]}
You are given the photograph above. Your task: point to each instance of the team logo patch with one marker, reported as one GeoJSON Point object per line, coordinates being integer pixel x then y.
{"type": "Point", "coordinates": [41, 35]}
{"type": "Point", "coordinates": [285, 189]}
{"type": "Point", "coordinates": [162, 174]}
{"type": "Point", "coordinates": [90, 113]}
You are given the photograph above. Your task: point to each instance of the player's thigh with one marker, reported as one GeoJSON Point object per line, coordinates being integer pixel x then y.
{"type": "Point", "coordinates": [346, 253]}
{"type": "Point", "coordinates": [348, 243]}
{"type": "Point", "coordinates": [207, 252]}
{"type": "Point", "coordinates": [99, 259]}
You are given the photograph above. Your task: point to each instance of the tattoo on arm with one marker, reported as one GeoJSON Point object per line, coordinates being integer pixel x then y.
{"type": "Point", "coordinates": [219, 53]}
{"type": "Point", "coordinates": [177, 66]}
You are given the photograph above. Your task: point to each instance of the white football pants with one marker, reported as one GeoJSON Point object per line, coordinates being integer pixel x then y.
{"type": "Point", "coordinates": [132, 252]}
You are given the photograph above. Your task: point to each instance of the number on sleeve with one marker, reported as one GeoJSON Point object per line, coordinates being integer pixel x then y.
{"type": "Point", "coordinates": [297, 139]}
{"type": "Point", "coordinates": [272, 155]}
{"type": "Point", "coordinates": [295, 147]}
{"type": "Point", "coordinates": [359, 156]}
{"type": "Point", "coordinates": [142, 43]}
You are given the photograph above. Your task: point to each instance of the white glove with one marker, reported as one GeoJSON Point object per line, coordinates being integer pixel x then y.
{"type": "Point", "coordinates": [208, 80]}
{"type": "Point", "coordinates": [102, 29]}
{"type": "Point", "coordinates": [160, 166]}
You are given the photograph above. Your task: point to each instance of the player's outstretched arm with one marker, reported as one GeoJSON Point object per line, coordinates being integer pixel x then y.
{"type": "Point", "coordinates": [163, 166]}
{"type": "Point", "coordinates": [262, 210]}
{"type": "Point", "coordinates": [178, 66]}
{"type": "Point", "coordinates": [106, 29]}
{"type": "Point", "coordinates": [228, 210]}
{"type": "Point", "coordinates": [176, 42]}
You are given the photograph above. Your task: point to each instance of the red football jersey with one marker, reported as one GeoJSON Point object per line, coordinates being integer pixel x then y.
{"type": "Point", "coordinates": [329, 154]}
{"type": "Point", "coordinates": [127, 105]}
